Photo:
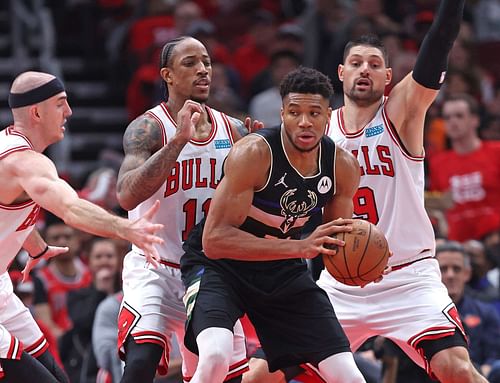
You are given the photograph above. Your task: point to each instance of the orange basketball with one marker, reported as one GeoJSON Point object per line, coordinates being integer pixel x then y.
{"type": "Point", "coordinates": [362, 259]}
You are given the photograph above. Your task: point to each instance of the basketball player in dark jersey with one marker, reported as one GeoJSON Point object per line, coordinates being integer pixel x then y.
{"type": "Point", "coordinates": [251, 261]}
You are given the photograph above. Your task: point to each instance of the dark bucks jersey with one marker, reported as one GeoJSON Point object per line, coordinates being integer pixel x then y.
{"type": "Point", "coordinates": [288, 199]}
{"type": "Point", "coordinates": [279, 210]}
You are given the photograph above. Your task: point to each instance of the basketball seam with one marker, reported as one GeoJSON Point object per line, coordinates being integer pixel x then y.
{"type": "Point", "coordinates": [351, 278]}
{"type": "Point", "coordinates": [374, 267]}
{"type": "Point", "coordinates": [364, 253]}
{"type": "Point", "coordinates": [329, 261]}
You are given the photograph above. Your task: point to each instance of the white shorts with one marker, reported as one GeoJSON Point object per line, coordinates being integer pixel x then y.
{"type": "Point", "coordinates": [18, 330]}
{"type": "Point", "coordinates": [152, 311]}
{"type": "Point", "coordinates": [409, 305]}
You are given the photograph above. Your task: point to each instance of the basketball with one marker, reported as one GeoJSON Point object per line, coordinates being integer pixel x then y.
{"type": "Point", "coordinates": [362, 259]}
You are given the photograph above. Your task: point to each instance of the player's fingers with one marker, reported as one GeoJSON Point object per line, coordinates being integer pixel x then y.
{"type": "Point", "coordinates": [152, 211]}
{"type": "Point", "coordinates": [195, 118]}
{"type": "Point", "coordinates": [257, 125]}
{"type": "Point", "coordinates": [26, 271]}
{"type": "Point", "coordinates": [387, 270]}
{"type": "Point", "coordinates": [248, 123]}
{"type": "Point", "coordinates": [152, 258]}
{"type": "Point", "coordinates": [341, 221]}
{"type": "Point", "coordinates": [150, 239]}
{"type": "Point", "coordinates": [335, 229]}
{"type": "Point", "coordinates": [332, 242]}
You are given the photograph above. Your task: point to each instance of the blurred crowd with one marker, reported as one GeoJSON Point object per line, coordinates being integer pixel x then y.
{"type": "Point", "coordinates": [253, 44]}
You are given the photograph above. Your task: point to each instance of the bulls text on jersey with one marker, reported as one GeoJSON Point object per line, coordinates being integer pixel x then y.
{"type": "Point", "coordinates": [382, 165]}
{"type": "Point", "coordinates": [187, 174]}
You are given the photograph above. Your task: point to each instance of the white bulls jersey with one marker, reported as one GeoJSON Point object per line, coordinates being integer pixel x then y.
{"type": "Point", "coordinates": [391, 190]}
{"type": "Point", "coordinates": [16, 220]}
{"type": "Point", "coordinates": [186, 195]}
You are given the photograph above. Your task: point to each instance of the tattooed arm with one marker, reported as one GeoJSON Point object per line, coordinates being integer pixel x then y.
{"type": "Point", "coordinates": [241, 129]}
{"type": "Point", "coordinates": [147, 163]}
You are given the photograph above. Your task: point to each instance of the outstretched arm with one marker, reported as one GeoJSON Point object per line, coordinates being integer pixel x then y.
{"type": "Point", "coordinates": [147, 162]}
{"type": "Point", "coordinates": [37, 176]}
{"type": "Point", "coordinates": [410, 99]}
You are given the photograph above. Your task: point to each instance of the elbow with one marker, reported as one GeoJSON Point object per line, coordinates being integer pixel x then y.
{"type": "Point", "coordinates": [125, 201]}
{"type": "Point", "coordinates": [210, 246]}
{"type": "Point", "coordinates": [69, 214]}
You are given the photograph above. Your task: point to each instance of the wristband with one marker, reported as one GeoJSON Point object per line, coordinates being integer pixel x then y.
{"type": "Point", "coordinates": [41, 254]}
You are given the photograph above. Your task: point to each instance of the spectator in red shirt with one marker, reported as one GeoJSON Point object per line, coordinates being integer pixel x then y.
{"type": "Point", "coordinates": [470, 171]}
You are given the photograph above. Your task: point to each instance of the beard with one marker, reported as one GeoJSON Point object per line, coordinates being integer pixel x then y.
{"type": "Point", "coordinates": [365, 98]}
{"type": "Point", "coordinates": [201, 100]}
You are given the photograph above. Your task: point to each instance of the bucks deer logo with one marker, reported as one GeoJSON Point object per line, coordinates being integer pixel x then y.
{"type": "Point", "coordinates": [293, 207]}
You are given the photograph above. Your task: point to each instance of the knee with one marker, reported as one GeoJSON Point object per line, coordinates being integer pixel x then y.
{"type": "Point", "coordinates": [453, 365]}
{"type": "Point", "coordinates": [214, 360]}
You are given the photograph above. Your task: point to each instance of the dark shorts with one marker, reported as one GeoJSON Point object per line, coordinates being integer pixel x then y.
{"type": "Point", "coordinates": [294, 321]}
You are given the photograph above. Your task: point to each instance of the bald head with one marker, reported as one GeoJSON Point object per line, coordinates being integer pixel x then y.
{"type": "Point", "coordinates": [27, 81]}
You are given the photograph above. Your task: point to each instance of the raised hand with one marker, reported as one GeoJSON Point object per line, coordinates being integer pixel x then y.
{"type": "Point", "coordinates": [141, 233]}
{"type": "Point", "coordinates": [32, 262]}
{"type": "Point", "coordinates": [187, 118]}
{"type": "Point", "coordinates": [253, 126]}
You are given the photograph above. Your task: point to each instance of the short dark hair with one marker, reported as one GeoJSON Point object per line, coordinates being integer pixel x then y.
{"type": "Point", "coordinates": [367, 40]}
{"type": "Point", "coordinates": [168, 48]}
{"type": "Point", "coordinates": [468, 99]}
{"type": "Point", "coordinates": [454, 247]}
{"type": "Point", "coordinates": [306, 80]}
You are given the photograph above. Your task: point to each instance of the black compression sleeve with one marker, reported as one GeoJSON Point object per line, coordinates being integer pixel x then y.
{"type": "Point", "coordinates": [433, 54]}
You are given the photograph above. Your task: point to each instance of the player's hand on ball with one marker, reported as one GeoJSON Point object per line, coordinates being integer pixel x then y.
{"type": "Point", "coordinates": [386, 271]}
{"type": "Point", "coordinates": [363, 257]}
{"type": "Point", "coordinates": [322, 239]}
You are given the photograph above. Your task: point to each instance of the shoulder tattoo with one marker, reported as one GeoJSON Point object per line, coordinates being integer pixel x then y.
{"type": "Point", "coordinates": [239, 125]}
{"type": "Point", "coordinates": [142, 134]}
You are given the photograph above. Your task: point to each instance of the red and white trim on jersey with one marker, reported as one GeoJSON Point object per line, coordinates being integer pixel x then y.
{"type": "Point", "coordinates": [451, 313]}
{"type": "Point", "coordinates": [227, 125]}
{"type": "Point", "coordinates": [395, 137]}
{"type": "Point", "coordinates": [127, 320]}
{"type": "Point", "coordinates": [38, 348]}
{"type": "Point", "coordinates": [187, 191]}
{"type": "Point", "coordinates": [10, 131]}
{"type": "Point", "coordinates": [159, 339]}
{"type": "Point", "coordinates": [430, 334]}
{"type": "Point", "coordinates": [14, 150]}
{"type": "Point", "coordinates": [18, 206]}
{"type": "Point", "coordinates": [235, 370]}
{"type": "Point", "coordinates": [162, 127]}
{"type": "Point", "coordinates": [14, 352]}
{"type": "Point", "coordinates": [213, 130]}
{"type": "Point", "coordinates": [15, 349]}
{"type": "Point", "coordinates": [340, 120]}
{"type": "Point", "coordinates": [392, 181]}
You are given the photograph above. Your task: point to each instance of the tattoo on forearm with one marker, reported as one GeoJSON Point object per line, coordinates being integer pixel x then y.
{"type": "Point", "coordinates": [147, 163]}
